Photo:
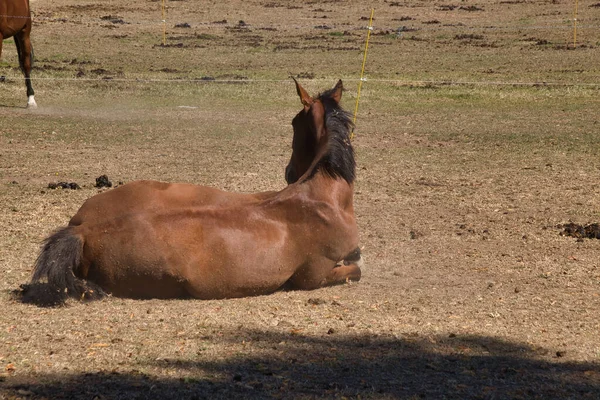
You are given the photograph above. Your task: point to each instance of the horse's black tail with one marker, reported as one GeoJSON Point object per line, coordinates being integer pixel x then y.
{"type": "Point", "coordinates": [60, 256]}
{"type": "Point", "coordinates": [58, 260]}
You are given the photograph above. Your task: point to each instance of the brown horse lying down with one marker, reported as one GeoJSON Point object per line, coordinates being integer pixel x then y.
{"type": "Point", "coordinates": [15, 21]}
{"type": "Point", "coordinates": [158, 240]}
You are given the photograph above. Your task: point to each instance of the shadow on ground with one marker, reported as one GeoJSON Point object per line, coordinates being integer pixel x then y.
{"type": "Point", "coordinates": [290, 366]}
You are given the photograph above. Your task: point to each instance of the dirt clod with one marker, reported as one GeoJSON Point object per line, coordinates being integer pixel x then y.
{"type": "Point", "coordinates": [113, 19]}
{"type": "Point", "coordinates": [63, 185]}
{"type": "Point", "coordinates": [590, 231]}
{"type": "Point", "coordinates": [102, 181]}
{"type": "Point", "coordinates": [315, 301]}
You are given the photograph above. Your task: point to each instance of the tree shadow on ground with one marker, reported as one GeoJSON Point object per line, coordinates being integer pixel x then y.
{"type": "Point", "coordinates": [291, 366]}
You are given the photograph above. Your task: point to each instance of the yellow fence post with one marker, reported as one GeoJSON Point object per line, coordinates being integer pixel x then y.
{"type": "Point", "coordinates": [575, 24]}
{"type": "Point", "coordinates": [164, 21]}
{"type": "Point", "coordinates": [362, 71]}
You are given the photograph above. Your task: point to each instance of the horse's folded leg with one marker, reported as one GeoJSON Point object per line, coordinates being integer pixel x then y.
{"type": "Point", "coordinates": [343, 273]}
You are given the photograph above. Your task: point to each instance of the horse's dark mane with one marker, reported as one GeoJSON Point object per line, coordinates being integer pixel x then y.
{"type": "Point", "coordinates": [339, 159]}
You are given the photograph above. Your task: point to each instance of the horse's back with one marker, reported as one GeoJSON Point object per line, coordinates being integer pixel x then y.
{"type": "Point", "coordinates": [148, 195]}
{"type": "Point", "coordinates": [117, 202]}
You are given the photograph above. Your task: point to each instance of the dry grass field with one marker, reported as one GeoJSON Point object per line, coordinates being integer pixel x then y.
{"type": "Point", "coordinates": [478, 135]}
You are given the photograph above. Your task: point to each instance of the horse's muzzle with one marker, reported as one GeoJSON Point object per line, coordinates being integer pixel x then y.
{"type": "Point", "coordinates": [290, 174]}
{"type": "Point", "coordinates": [354, 257]}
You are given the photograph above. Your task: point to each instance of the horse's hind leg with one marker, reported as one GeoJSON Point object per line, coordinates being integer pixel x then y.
{"type": "Point", "coordinates": [25, 51]}
{"type": "Point", "coordinates": [1, 40]}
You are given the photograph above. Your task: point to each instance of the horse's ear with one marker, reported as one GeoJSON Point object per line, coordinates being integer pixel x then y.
{"type": "Point", "coordinates": [337, 91]}
{"type": "Point", "coordinates": [304, 96]}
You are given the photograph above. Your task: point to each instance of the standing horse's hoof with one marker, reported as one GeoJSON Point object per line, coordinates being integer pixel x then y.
{"type": "Point", "coordinates": [31, 102]}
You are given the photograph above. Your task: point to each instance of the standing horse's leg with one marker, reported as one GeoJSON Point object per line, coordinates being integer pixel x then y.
{"type": "Point", "coordinates": [25, 51]}
{"type": "Point", "coordinates": [1, 40]}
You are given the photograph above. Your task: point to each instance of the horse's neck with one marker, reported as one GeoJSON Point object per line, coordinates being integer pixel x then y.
{"type": "Point", "coordinates": [335, 191]}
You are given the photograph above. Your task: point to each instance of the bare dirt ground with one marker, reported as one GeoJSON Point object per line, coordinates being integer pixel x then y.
{"type": "Point", "coordinates": [464, 185]}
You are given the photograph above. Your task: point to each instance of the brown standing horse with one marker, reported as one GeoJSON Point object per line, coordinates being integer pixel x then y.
{"type": "Point", "coordinates": [178, 240]}
{"type": "Point", "coordinates": [15, 21]}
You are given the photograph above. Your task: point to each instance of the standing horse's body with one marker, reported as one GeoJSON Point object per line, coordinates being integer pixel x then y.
{"type": "Point", "coordinates": [176, 240]}
{"type": "Point", "coordinates": [15, 21]}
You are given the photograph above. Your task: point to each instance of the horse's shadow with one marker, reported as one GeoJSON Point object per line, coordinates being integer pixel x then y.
{"type": "Point", "coordinates": [291, 366]}
{"type": "Point", "coordinates": [12, 106]}
{"type": "Point", "coordinates": [43, 294]}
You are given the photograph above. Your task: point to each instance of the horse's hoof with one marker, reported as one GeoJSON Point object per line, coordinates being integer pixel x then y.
{"type": "Point", "coordinates": [31, 102]}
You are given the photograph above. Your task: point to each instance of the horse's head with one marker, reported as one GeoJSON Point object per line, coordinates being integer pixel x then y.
{"type": "Point", "coordinates": [310, 130]}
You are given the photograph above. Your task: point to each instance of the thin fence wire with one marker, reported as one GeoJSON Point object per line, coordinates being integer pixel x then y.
{"type": "Point", "coordinates": [398, 82]}
{"type": "Point", "coordinates": [407, 26]}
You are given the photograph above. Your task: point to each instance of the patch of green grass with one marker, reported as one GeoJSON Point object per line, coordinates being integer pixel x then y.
{"type": "Point", "coordinates": [460, 96]}
{"type": "Point", "coordinates": [207, 36]}
{"type": "Point", "coordinates": [515, 121]}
